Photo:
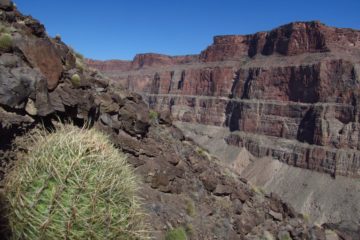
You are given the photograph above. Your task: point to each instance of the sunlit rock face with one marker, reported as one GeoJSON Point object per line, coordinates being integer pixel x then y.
{"type": "Point", "coordinates": [298, 83]}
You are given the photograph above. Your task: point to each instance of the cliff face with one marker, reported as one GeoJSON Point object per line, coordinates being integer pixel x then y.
{"type": "Point", "coordinates": [296, 86]}
{"type": "Point", "coordinates": [181, 185]}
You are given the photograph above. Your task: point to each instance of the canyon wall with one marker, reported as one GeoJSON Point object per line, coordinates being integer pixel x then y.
{"type": "Point", "coordinates": [291, 93]}
{"type": "Point", "coordinates": [180, 187]}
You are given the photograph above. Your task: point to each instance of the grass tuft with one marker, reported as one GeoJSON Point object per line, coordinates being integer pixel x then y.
{"type": "Point", "coordinates": [190, 207]}
{"type": "Point", "coordinates": [306, 217]}
{"type": "Point", "coordinates": [73, 184]}
{"type": "Point", "coordinates": [202, 152]}
{"type": "Point", "coordinates": [258, 190]}
{"type": "Point", "coordinates": [154, 116]}
{"type": "Point", "coordinates": [176, 234]}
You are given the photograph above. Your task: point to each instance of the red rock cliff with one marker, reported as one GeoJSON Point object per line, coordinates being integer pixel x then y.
{"type": "Point", "coordinates": [296, 87]}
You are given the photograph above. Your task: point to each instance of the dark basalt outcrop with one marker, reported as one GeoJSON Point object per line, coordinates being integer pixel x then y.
{"type": "Point", "coordinates": [298, 84]}
{"type": "Point", "coordinates": [183, 186]}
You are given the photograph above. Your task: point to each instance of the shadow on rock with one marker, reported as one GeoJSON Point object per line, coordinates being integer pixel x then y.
{"type": "Point", "coordinates": [4, 223]}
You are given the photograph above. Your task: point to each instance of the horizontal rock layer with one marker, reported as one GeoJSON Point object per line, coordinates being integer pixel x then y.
{"type": "Point", "coordinates": [181, 186]}
{"type": "Point", "coordinates": [296, 134]}
{"type": "Point", "coordinates": [298, 83]}
{"type": "Point", "coordinates": [291, 39]}
{"type": "Point", "coordinates": [322, 198]}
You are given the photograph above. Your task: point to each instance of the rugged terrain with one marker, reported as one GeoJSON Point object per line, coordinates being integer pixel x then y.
{"type": "Point", "coordinates": [291, 94]}
{"type": "Point", "coordinates": [44, 82]}
{"type": "Point", "coordinates": [298, 82]}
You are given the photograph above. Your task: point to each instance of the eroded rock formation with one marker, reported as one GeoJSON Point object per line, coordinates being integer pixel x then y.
{"type": "Point", "coordinates": [182, 186]}
{"type": "Point", "coordinates": [296, 86]}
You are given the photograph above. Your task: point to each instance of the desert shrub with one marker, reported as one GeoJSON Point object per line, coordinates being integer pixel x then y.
{"type": "Point", "coordinates": [267, 236]}
{"type": "Point", "coordinates": [190, 207]}
{"type": "Point", "coordinates": [189, 228]}
{"type": "Point", "coordinates": [79, 59]}
{"type": "Point", "coordinates": [306, 217]}
{"type": "Point", "coordinates": [6, 41]}
{"type": "Point", "coordinates": [258, 190]}
{"type": "Point", "coordinates": [73, 184]}
{"type": "Point", "coordinates": [202, 152]}
{"type": "Point", "coordinates": [176, 234]}
{"type": "Point", "coordinates": [75, 53]}
{"type": "Point", "coordinates": [75, 79]}
{"type": "Point", "coordinates": [80, 64]}
{"type": "Point", "coordinates": [4, 28]}
{"type": "Point", "coordinates": [284, 236]}
{"type": "Point", "coordinates": [153, 115]}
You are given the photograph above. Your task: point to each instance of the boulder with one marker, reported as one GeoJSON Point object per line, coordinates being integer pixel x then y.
{"type": "Point", "coordinates": [134, 118]}
{"type": "Point", "coordinates": [222, 190]}
{"type": "Point", "coordinates": [36, 27]}
{"type": "Point", "coordinates": [11, 60]}
{"type": "Point", "coordinates": [41, 53]}
{"type": "Point", "coordinates": [17, 84]}
{"type": "Point", "coordinates": [6, 4]}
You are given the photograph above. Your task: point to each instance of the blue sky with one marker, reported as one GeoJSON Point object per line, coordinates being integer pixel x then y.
{"type": "Point", "coordinates": [118, 29]}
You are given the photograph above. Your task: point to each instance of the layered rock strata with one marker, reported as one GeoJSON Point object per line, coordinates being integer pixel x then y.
{"type": "Point", "coordinates": [182, 186]}
{"type": "Point", "coordinates": [297, 85]}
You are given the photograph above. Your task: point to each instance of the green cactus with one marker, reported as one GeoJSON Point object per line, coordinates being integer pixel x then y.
{"type": "Point", "coordinates": [75, 79]}
{"type": "Point", "coordinates": [6, 41]}
{"type": "Point", "coordinates": [73, 184]}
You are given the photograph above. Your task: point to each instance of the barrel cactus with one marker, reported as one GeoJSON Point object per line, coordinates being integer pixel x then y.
{"type": "Point", "coordinates": [73, 184]}
{"type": "Point", "coordinates": [75, 79]}
{"type": "Point", "coordinates": [6, 41]}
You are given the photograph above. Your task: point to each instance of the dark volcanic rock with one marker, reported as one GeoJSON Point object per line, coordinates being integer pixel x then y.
{"type": "Point", "coordinates": [6, 4]}
{"type": "Point", "coordinates": [13, 91]}
{"type": "Point", "coordinates": [42, 54]}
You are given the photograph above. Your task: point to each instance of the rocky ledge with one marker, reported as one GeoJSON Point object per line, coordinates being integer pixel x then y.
{"type": "Point", "coordinates": [298, 84]}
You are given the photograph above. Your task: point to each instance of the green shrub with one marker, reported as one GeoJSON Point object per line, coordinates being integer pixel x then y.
{"type": "Point", "coordinates": [200, 151]}
{"type": "Point", "coordinates": [284, 236]}
{"type": "Point", "coordinates": [189, 228]}
{"type": "Point", "coordinates": [6, 41]}
{"type": "Point", "coordinates": [153, 115]}
{"type": "Point", "coordinates": [73, 184]}
{"type": "Point", "coordinates": [306, 217]}
{"type": "Point", "coordinates": [190, 207]}
{"type": "Point", "coordinates": [176, 234]}
{"type": "Point", "coordinates": [203, 153]}
{"type": "Point", "coordinates": [75, 79]}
